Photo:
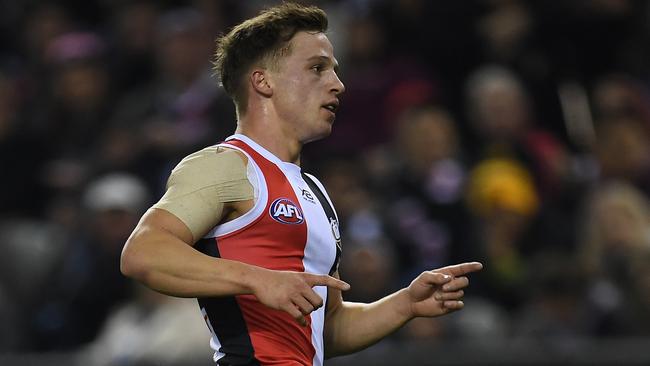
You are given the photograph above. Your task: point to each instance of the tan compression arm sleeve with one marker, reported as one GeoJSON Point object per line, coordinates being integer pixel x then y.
{"type": "Point", "coordinates": [201, 183]}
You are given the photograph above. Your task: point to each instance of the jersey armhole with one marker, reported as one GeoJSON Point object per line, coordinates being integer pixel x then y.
{"type": "Point", "coordinates": [260, 196]}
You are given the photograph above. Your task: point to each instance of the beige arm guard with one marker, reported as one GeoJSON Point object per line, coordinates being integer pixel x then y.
{"type": "Point", "coordinates": [201, 183]}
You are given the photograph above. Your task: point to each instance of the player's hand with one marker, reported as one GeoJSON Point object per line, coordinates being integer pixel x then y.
{"type": "Point", "coordinates": [438, 292]}
{"type": "Point", "coordinates": [293, 292]}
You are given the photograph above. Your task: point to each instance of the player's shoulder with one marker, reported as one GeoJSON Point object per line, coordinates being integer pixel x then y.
{"type": "Point", "coordinates": [214, 154]}
{"type": "Point", "coordinates": [212, 157]}
{"type": "Point", "coordinates": [213, 163]}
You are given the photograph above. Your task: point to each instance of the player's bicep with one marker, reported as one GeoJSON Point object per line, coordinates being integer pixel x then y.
{"type": "Point", "coordinates": [198, 211]}
{"type": "Point", "coordinates": [162, 222]}
{"type": "Point", "coordinates": [156, 229]}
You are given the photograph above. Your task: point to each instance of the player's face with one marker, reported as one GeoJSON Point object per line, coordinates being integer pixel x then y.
{"type": "Point", "coordinates": [306, 87]}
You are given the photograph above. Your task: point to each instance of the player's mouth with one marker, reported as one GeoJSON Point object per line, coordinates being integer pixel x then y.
{"type": "Point", "coordinates": [332, 107]}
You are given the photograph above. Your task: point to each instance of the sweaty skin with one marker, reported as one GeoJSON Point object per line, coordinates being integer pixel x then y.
{"type": "Point", "coordinates": [200, 185]}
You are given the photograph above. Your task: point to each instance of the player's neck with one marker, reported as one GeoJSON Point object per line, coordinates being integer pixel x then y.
{"type": "Point", "coordinates": [270, 135]}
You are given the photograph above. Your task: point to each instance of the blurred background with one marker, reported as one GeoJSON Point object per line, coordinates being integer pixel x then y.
{"type": "Point", "coordinates": [516, 133]}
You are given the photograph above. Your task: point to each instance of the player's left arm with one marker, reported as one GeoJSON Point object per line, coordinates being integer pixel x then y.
{"type": "Point", "coordinates": [350, 327]}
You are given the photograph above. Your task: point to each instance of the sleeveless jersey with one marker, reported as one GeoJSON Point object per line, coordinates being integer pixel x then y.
{"type": "Point", "coordinates": [291, 227]}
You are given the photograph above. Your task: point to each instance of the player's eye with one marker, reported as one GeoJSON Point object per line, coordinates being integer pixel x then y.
{"type": "Point", "coordinates": [318, 68]}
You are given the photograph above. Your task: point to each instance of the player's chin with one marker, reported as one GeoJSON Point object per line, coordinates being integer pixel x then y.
{"type": "Point", "coordinates": [323, 131]}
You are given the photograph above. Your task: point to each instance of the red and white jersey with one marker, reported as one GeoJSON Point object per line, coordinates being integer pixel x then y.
{"type": "Point", "coordinates": [287, 229]}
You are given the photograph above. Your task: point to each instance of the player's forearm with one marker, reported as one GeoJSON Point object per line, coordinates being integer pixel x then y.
{"type": "Point", "coordinates": [168, 265]}
{"type": "Point", "coordinates": [354, 326]}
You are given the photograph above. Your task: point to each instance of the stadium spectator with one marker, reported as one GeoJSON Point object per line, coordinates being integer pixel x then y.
{"type": "Point", "coordinates": [182, 109]}
{"type": "Point", "coordinates": [87, 283]}
{"type": "Point", "coordinates": [420, 178]}
{"type": "Point", "coordinates": [72, 115]}
{"type": "Point", "coordinates": [613, 235]}
{"type": "Point", "coordinates": [503, 199]}
{"type": "Point", "coordinates": [149, 329]}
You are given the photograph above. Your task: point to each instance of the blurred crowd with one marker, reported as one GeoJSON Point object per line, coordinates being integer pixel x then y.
{"type": "Point", "coordinates": [515, 133]}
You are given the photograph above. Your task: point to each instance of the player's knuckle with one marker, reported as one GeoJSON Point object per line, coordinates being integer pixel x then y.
{"type": "Point", "coordinates": [325, 279]}
{"type": "Point", "coordinates": [305, 289]}
{"type": "Point", "coordinates": [289, 299]}
{"type": "Point", "coordinates": [296, 312]}
{"type": "Point", "coordinates": [298, 286]}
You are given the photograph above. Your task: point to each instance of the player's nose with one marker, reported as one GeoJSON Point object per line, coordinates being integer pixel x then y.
{"type": "Point", "coordinates": [338, 87]}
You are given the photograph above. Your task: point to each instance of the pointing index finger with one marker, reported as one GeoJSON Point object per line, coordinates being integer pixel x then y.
{"type": "Point", "coordinates": [461, 269]}
{"type": "Point", "coordinates": [328, 281]}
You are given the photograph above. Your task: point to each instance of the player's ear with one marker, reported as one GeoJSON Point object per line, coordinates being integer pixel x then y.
{"type": "Point", "coordinates": [259, 79]}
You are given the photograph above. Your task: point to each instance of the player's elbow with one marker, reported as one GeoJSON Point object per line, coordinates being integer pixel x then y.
{"type": "Point", "coordinates": [128, 264]}
{"type": "Point", "coordinates": [132, 261]}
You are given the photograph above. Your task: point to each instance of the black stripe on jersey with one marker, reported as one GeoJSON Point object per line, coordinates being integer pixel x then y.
{"type": "Point", "coordinates": [227, 321]}
{"type": "Point", "coordinates": [329, 212]}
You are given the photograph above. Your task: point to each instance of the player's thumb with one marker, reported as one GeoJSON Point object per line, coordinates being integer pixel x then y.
{"type": "Point", "coordinates": [329, 281]}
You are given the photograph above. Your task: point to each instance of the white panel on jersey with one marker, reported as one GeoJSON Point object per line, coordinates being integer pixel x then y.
{"type": "Point", "coordinates": [320, 250]}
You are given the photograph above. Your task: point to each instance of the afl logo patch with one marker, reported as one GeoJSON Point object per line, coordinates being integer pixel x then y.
{"type": "Point", "coordinates": [285, 211]}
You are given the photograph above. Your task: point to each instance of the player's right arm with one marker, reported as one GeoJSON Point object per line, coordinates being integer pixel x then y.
{"type": "Point", "coordinates": [205, 189]}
